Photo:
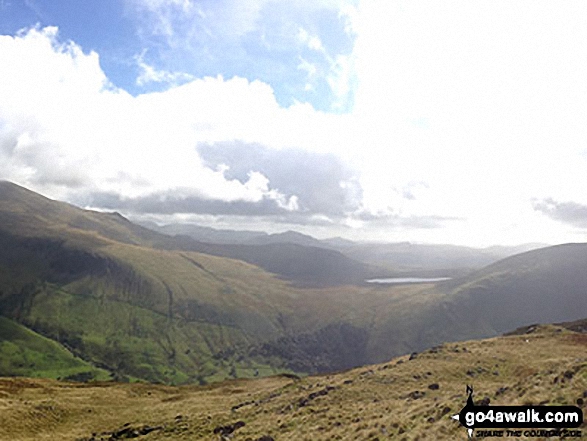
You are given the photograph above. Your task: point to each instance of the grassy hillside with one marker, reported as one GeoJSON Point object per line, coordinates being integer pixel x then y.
{"type": "Point", "coordinates": [171, 316]}
{"type": "Point", "coordinates": [406, 398]}
{"type": "Point", "coordinates": [137, 312]}
{"type": "Point", "coordinates": [545, 285]}
{"type": "Point", "coordinates": [26, 353]}
{"type": "Point", "coordinates": [122, 298]}
{"type": "Point", "coordinates": [140, 305]}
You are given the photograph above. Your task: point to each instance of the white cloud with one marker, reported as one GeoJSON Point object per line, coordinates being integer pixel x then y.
{"type": "Point", "coordinates": [181, 20]}
{"type": "Point", "coordinates": [62, 123]}
{"type": "Point", "coordinates": [461, 110]}
{"type": "Point", "coordinates": [342, 79]}
{"type": "Point", "coordinates": [312, 41]}
{"type": "Point", "coordinates": [309, 68]}
{"type": "Point", "coordinates": [149, 74]}
{"type": "Point", "coordinates": [499, 86]}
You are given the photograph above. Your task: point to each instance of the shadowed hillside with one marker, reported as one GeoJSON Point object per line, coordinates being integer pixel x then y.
{"type": "Point", "coordinates": [545, 285]}
{"type": "Point", "coordinates": [26, 213]}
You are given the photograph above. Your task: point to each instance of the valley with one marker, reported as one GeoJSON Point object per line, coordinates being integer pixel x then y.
{"type": "Point", "coordinates": [132, 304]}
{"type": "Point", "coordinates": [166, 337]}
{"type": "Point", "coordinates": [292, 221]}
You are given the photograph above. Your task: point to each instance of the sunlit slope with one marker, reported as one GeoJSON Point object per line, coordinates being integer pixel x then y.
{"type": "Point", "coordinates": [28, 214]}
{"type": "Point", "coordinates": [411, 397]}
{"type": "Point", "coordinates": [26, 353]}
{"type": "Point", "coordinates": [142, 312]}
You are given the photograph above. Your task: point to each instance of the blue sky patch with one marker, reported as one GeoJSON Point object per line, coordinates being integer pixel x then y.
{"type": "Point", "coordinates": [150, 45]}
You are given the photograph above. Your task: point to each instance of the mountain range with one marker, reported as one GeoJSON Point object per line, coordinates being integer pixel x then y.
{"type": "Point", "coordinates": [91, 295]}
{"type": "Point", "coordinates": [390, 258]}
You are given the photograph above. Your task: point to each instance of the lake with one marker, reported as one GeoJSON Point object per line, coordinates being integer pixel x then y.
{"type": "Point", "coordinates": [408, 280]}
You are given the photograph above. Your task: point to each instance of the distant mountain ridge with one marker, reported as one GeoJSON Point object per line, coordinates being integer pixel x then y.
{"type": "Point", "coordinates": [391, 258]}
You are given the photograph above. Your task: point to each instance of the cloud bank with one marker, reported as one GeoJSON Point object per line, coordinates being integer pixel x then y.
{"type": "Point", "coordinates": [458, 122]}
{"type": "Point", "coordinates": [67, 131]}
{"type": "Point", "coordinates": [570, 213]}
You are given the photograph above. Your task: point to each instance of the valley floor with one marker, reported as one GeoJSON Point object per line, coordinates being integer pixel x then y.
{"type": "Point", "coordinates": [407, 398]}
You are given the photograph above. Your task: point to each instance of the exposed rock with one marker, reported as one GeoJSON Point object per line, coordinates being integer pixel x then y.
{"type": "Point", "coordinates": [125, 432]}
{"type": "Point", "coordinates": [238, 406]}
{"type": "Point", "coordinates": [484, 402]}
{"type": "Point", "coordinates": [434, 386]}
{"type": "Point", "coordinates": [415, 395]}
{"type": "Point", "coordinates": [288, 375]}
{"type": "Point", "coordinates": [529, 329]}
{"type": "Point", "coordinates": [500, 391]}
{"type": "Point", "coordinates": [305, 401]}
{"type": "Point", "coordinates": [228, 429]}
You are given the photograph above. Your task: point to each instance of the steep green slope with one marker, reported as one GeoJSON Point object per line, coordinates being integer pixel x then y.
{"type": "Point", "coordinates": [138, 312]}
{"type": "Point", "coordinates": [26, 353]}
{"type": "Point", "coordinates": [125, 300]}
{"type": "Point", "coordinates": [177, 316]}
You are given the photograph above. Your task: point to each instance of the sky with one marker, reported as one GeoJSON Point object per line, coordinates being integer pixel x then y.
{"type": "Point", "coordinates": [460, 122]}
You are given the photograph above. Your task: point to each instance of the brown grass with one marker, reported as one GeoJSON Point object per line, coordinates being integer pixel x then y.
{"type": "Point", "coordinates": [387, 401]}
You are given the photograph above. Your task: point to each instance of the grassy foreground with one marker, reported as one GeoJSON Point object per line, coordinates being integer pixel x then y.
{"type": "Point", "coordinates": [404, 399]}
